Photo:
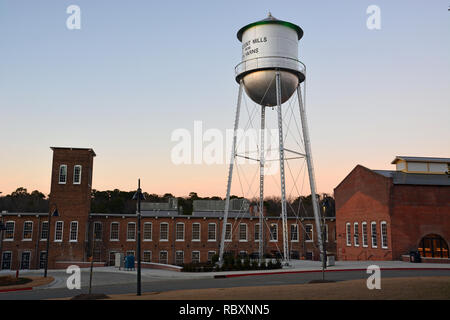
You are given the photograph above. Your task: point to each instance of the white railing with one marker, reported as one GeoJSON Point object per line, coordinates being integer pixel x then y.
{"type": "Point", "coordinates": [270, 62]}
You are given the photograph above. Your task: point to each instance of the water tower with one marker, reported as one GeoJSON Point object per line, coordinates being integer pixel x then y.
{"type": "Point", "coordinates": [270, 73]}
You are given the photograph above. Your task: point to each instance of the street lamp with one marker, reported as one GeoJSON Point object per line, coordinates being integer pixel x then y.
{"type": "Point", "coordinates": [138, 196]}
{"type": "Point", "coordinates": [54, 214]}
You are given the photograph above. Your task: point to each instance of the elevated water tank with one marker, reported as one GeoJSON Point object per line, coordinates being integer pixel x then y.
{"type": "Point", "coordinates": [268, 46]}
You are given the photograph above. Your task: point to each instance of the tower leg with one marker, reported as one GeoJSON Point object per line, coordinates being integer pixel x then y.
{"type": "Point", "coordinates": [282, 175]}
{"type": "Point", "coordinates": [309, 163]}
{"type": "Point", "coordinates": [261, 184]}
{"type": "Point", "coordinates": [230, 174]}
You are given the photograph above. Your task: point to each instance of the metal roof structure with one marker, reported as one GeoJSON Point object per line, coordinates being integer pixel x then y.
{"type": "Point", "coordinates": [399, 177]}
{"type": "Point", "coordinates": [271, 20]}
{"type": "Point", "coordinates": [420, 159]}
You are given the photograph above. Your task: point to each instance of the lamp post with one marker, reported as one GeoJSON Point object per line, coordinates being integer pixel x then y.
{"type": "Point", "coordinates": [54, 214]}
{"type": "Point", "coordinates": [138, 196]}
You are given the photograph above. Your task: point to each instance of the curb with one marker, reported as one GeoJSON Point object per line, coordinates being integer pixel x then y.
{"type": "Point", "coordinates": [16, 289]}
{"type": "Point", "coordinates": [312, 271]}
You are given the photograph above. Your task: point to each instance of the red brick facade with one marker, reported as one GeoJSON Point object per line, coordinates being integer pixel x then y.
{"type": "Point", "coordinates": [409, 211]}
{"type": "Point", "coordinates": [75, 245]}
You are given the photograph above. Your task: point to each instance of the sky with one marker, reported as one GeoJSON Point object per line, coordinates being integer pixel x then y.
{"type": "Point", "coordinates": [138, 70]}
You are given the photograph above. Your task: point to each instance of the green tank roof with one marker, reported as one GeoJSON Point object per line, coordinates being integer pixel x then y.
{"type": "Point", "coordinates": [271, 20]}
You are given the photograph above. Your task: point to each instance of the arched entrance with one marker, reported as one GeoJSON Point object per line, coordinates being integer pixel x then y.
{"type": "Point", "coordinates": [433, 246]}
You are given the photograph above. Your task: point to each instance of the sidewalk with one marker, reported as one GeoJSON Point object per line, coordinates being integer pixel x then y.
{"type": "Point", "coordinates": [111, 275]}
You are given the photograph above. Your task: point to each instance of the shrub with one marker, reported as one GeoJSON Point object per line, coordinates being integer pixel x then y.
{"type": "Point", "coordinates": [270, 265]}
{"type": "Point", "coordinates": [254, 265]}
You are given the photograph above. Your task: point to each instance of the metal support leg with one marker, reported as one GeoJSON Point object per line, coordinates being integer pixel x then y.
{"type": "Point", "coordinates": [261, 184]}
{"type": "Point", "coordinates": [309, 163]}
{"type": "Point", "coordinates": [282, 175]}
{"type": "Point", "coordinates": [230, 174]}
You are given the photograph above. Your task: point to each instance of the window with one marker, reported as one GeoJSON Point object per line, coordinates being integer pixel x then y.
{"type": "Point", "coordinates": [228, 232]}
{"type": "Point", "coordinates": [211, 232]}
{"type": "Point", "coordinates": [59, 231]}
{"type": "Point", "coordinates": [195, 256]}
{"type": "Point", "coordinates": [148, 231]}
{"type": "Point", "coordinates": [25, 260]}
{"type": "Point", "coordinates": [147, 257]}
{"type": "Point", "coordinates": [9, 232]}
{"type": "Point", "coordinates": [6, 260]}
{"type": "Point", "coordinates": [42, 261]}
{"type": "Point", "coordinates": [433, 246]}
{"type": "Point", "coordinates": [131, 231]}
{"type": "Point", "coordinates": [44, 230]}
{"type": "Point", "coordinates": [210, 255]}
{"type": "Point", "coordinates": [364, 234]}
{"type": "Point", "coordinates": [308, 233]}
{"type": "Point", "coordinates": [98, 231]}
{"type": "Point", "coordinates": [163, 257]}
{"type": "Point", "coordinates": [112, 258]}
{"type": "Point", "coordinates": [73, 231]}
{"type": "Point", "coordinates": [62, 174]}
{"type": "Point", "coordinates": [384, 242]}
{"type": "Point", "coordinates": [114, 233]}
{"type": "Point", "coordinates": [256, 231]}
{"type": "Point", "coordinates": [356, 234]}
{"type": "Point", "coordinates": [196, 232]}
{"type": "Point", "coordinates": [130, 253]}
{"type": "Point", "coordinates": [294, 232]}
{"type": "Point", "coordinates": [164, 232]}
{"type": "Point", "coordinates": [348, 236]}
{"type": "Point", "coordinates": [27, 230]}
{"type": "Point", "coordinates": [179, 257]}
{"type": "Point", "coordinates": [273, 232]}
{"type": "Point", "coordinates": [179, 232]}
{"type": "Point", "coordinates": [77, 174]}
{"type": "Point", "coordinates": [373, 229]}
{"type": "Point", "coordinates": [243, 232]}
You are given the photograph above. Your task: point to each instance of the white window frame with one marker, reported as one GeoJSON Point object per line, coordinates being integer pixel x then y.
{"type": "Point", "coordinates": [160, 232]}
{"type": "Point", "coordinates": [42, 231]}
{"type": "Point", "coordinates": [151, 231]}
{"type": "Point", "coordinates": [256, 231]}
{"type": "Point", "coordinates": [383, 245]}
{"type": "Point", "coordinates": [167, 257]}
{"type": "Point", "coordinates": [199, 231]}
{"type": "Point", "coordinates": [111, 231]}
{"type": "Point", "coordinates": [306, 233]}
{"type": "Point", "coordinates": [372, 237]}
{"type": "Point", "coordinates": [59, 222]}
{"type": "Point", "coordinates": [10, 259]}
{"type": "Point", "coordinates": [79, 177]}
{"type": "Point", "coordinates": [215, 232]}
{"type": "Point", "coordinates": [356, 234]}
{"type": "Point", "coordinates": [296, 232]}
{"type": "Point", "coordinates": [98, 223]}
{"type": "Point", "coordinates": [364, 234]}
{"type": "Point", "coordinates": [348, 234]}
{"type": "Point", "coordinates": [273, 239]}
{"type": "Point", "coordinates": [60, 175]}
{"type": "Point", "coordinates": [128, 231]}
{"type": "Point", "coordinates": [246, 232]}
{"type": "Point", "coordinates": [212, 252]}
{"type": "Point", "coordinates": [13, 230]}
{"type": "Point", "coordinates": [71, 230]}
{"type": "Point", "coordinates": [231, 233]}
{"type": "Point", "coordinates": [30, 231]}
{"type": "Point", "coordinates": [143, 255]}
{"type": "Point", "coordinates": [176, 258]}
{"type": "Point", "coordinates": [192, 256]}
{"type": "Point", "coordinates": [176, 232]}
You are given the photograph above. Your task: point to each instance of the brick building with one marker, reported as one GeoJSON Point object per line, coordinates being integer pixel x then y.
{"type": "Point", "coordinates": [168, 237]}
{"type": "Point", "coordinates": [385, 214]}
